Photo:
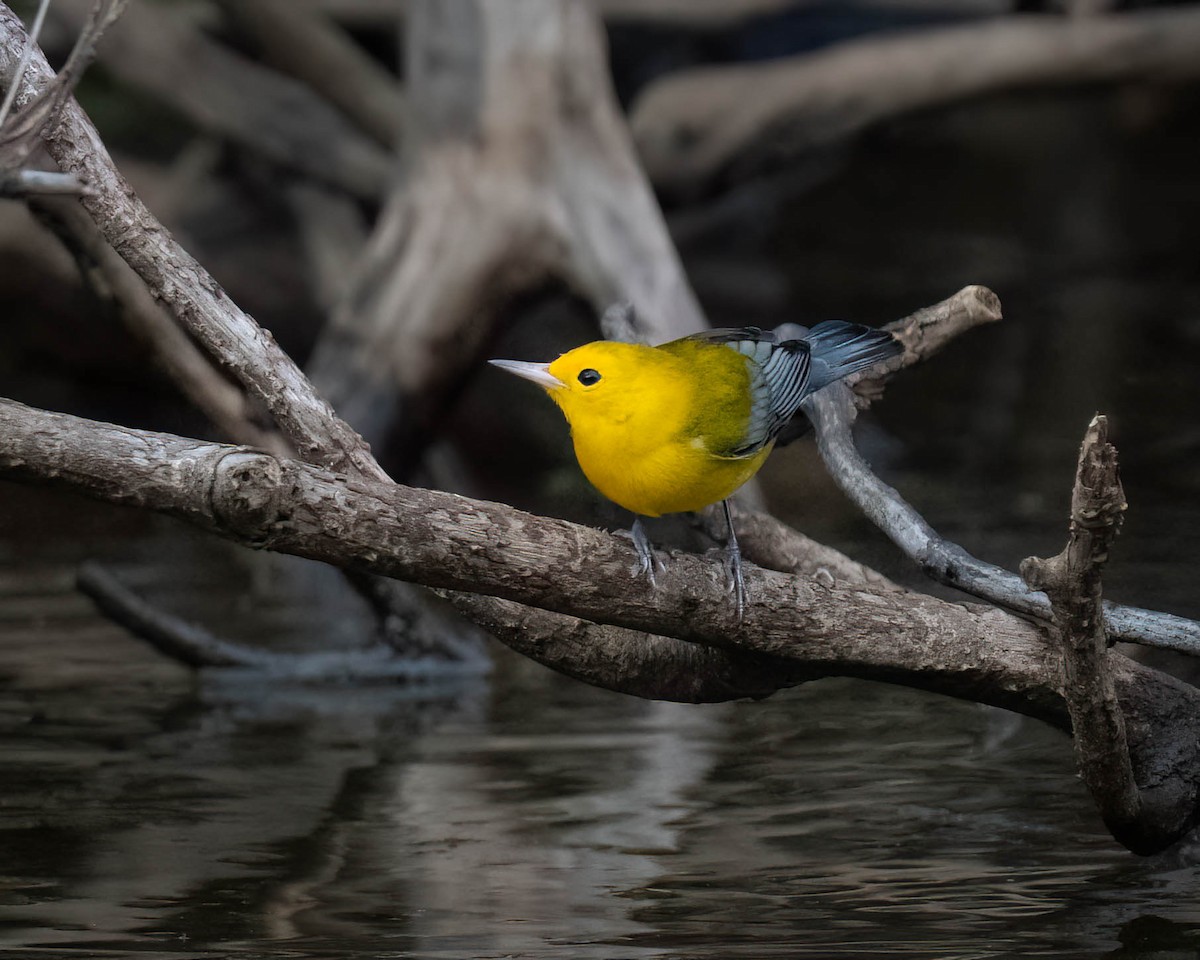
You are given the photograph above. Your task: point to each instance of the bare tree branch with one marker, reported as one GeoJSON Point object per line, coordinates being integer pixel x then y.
{"type": "Point", "coordinates": [693, 126]}
{"type": "Point", "coordinates": [832, 413]}
{"type": "Point", "coordinates": [1072, 580]}
{"type": "Point", "coordinates": [235, 341]}
{"type": "Point", "coordinates": [236, 98]}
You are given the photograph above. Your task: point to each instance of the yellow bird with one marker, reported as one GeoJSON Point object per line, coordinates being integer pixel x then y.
{"type": "Point", "coordinates": [676, 427]}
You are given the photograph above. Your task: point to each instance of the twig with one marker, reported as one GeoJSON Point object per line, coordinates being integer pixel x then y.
{"type": "Point", "coordinates": [21, 134]}
{"type": "Point", "coordinates": [32, 183]}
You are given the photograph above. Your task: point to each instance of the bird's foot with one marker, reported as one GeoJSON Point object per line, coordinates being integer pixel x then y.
{"type": "Point", "coordinates": [734, 580]}
{"type": "Point", "coordinates": [648, 562]}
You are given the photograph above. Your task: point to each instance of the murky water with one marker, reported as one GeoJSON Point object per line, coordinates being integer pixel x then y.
{"type": "Point", "coordinates": [148, 812]}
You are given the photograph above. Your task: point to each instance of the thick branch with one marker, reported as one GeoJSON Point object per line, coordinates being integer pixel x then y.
{"type": "Point", "coordinates": [447, 541]}
{"type": "Point", "coordinates": [451, 542]}
{"type": "Point", "coordinates": [695, 125]}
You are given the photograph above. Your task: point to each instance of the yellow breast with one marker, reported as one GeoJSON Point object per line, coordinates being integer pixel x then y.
{"type": "Point", "coordinates": [653, 432]}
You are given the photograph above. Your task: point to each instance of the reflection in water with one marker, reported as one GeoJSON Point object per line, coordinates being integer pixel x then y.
{"type": "Point", "coordinates": [528, 816]}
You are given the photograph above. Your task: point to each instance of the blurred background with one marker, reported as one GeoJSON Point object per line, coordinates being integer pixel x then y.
{"type": "Point", "coordinates": [148, 809]}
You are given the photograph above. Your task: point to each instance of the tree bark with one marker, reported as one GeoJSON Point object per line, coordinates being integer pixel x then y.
{"type": "Point", "coordinates": [1072, 580]}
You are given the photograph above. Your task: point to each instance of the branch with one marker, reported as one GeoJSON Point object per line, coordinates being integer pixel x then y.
{"type": "Point", "coordinates": [1072, 580]}
{"type": "Point", "coordinates": [451, 542]}
{"type": "Point", "coordinates": [440, 540]}
{"type": "Point", "coordinates": [694, 126]}
{"type": "Point", "coordinates": [249, 353]}
{"type": "Point", "coordinates": [832, 414]}
{"type": "Point", "coordinates": [233, 96]}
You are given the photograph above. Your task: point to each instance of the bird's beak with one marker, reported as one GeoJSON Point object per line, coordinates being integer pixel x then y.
{"type": "Point", "coordinates": [539, 373]}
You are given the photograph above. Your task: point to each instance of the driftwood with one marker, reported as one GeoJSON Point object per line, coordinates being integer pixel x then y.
{"type": "Point", "coordinates": [563, 594]}
{"type": "Point", "coordinates": [1072, 582]}
{"type": "Point", "coordinates": [503, 192]}
{"type": "Point", "coordinates": [698, 125]}
{"type": "Point", "coordinates": [446, 541]}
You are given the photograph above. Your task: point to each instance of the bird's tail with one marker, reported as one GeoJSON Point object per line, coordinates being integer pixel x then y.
{"type": "Point", "coordinates": [840, 348]}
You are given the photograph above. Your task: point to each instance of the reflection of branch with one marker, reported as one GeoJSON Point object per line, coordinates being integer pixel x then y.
{"type": "Point", "coordinates": [1072, 582]}
{"type": "Point", "coordinates": [692, 126]}
{"type": "Point", "coordinates": [194, 646]}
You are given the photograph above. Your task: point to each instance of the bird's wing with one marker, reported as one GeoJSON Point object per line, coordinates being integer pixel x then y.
{"type": "Point", "coordinates": [779, 373]}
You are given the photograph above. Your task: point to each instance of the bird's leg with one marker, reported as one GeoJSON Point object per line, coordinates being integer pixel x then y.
{"type": "Point", "coordinates": [641, 543]}
{"type": "Point", "coordinates": [733, 564]}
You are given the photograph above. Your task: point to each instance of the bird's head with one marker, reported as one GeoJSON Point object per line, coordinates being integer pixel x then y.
{"type": "Point", "coordinates": [600, 378]}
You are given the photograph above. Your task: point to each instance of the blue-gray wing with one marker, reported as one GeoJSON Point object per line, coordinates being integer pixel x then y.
{"type": "Point", "coordinates": [779, 374]}
{"type": "Point", "coordinates": [790, 362]}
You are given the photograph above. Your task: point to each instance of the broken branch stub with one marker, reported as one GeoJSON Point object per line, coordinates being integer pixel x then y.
{"type": "Point", "coordinates": [1143, 819]}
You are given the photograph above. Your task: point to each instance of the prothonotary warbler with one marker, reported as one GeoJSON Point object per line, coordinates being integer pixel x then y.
{"type": "Point", "coordinates": [682, 425]}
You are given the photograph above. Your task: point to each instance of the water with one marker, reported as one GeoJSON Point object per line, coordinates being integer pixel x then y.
{"type": "Point", "coordinates": [147, 812]}
{"type": "Point", "coordinates": [150, 813]}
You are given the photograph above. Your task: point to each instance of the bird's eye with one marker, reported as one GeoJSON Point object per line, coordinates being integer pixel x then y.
{"type": "Point", "coordinates": [589, 376]}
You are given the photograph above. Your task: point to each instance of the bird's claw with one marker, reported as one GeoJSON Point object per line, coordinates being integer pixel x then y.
{"type": "Point", "coordinates": [734, 580]}
{"type": "Point", "coordinates": [648, 563]}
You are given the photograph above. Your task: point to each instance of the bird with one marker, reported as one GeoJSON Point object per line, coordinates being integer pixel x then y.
{"type": "Point", "coordinates": [676, 427]}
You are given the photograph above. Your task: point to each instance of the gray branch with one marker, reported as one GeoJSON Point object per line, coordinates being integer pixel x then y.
{"type": "Point", "coordinates": [832, 413]}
